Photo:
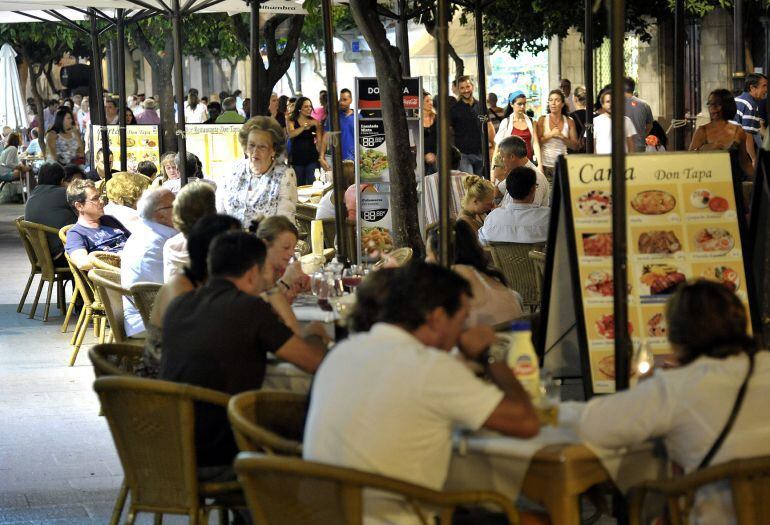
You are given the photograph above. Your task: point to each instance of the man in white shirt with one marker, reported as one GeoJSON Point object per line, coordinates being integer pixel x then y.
{"type": "Point", "coordinates": [388, 401]}
{"type": "Point", "coordinates": [142, 258]}
{"type": "Point", "coordinates": [513, 154]}
{"type": "Point", "coordinates": [520, 220]}
{"type": "Point", "coordinates": [603, 127]}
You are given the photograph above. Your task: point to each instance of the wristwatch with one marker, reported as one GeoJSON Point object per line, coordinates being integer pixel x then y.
{"type": "Point", "coordinates": [487, 358]}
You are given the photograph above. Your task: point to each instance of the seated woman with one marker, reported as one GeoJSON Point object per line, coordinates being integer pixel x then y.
{"type": "Point", "coordinates": [194, 201]}
{"type": "Point", "coordinates": [479, 199]}
{"type": "Point", "coordinates": [62, 140]}
{"type": "Point", "coordinates": [719, 134]}
{"type": "Point", "coordinates": [168, 169]}
{"type": "Point", "coordinates": [689, 406]}
{"type": "Point", "coordinates": [11, 168]}
{"type": "Point", "coordinates": [325, 208]}
{"type": "Point", "coordinates": [493, 302]}
{"type": "Point", "coordinates": [192, 277]}
{"type": "Point", "coordinates": [123, 192]}
{"type": "Point", "coordinates": [261, 184]}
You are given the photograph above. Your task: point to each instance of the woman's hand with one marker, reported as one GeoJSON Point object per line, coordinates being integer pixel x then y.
{"type": "Point", "coordinates": [323, 163]}
{"type": "Point", "coordinates": [430, 158]}
{"type": "Point", "coordinates": [294, 275]}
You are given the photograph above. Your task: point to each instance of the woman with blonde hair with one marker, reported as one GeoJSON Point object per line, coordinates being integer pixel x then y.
{"type": "Point", "coordinates": [262, 183]}
{"type": "Point", "coordinates": [479, 199]}
{"type": "Point", "coordinates": [123, 192]}
{"type": "Point", "coordinates": [197, 199]}
{"type": "Point", "coordinates": [168, 169]}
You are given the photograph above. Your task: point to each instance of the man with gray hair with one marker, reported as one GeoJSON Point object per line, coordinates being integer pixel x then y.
{"type": "Point", "coordinates": [142, 257]}
{"type": "Point", "coordinates": [230, 114]}
{"type": "Point", "coordinates": [512, 153]}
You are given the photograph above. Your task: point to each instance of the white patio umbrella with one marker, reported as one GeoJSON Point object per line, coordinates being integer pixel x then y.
{"type": "Point", "coordinates": [12, 111]}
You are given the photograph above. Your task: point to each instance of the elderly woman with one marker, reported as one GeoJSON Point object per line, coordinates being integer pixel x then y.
{"type": "Point", "coordinates": [168, 169]}
{"type": "Point", "coordinates": [194, 201]}
{"type": "Point", "coordinates": [123, 192]}
{"type": "Point", "coordinates": [262, 183]}
{"type": "Point", "coordinates": [689, 406]}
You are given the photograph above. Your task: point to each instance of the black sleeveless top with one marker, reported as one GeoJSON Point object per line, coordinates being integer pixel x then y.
{"type": "Point", "coordinates": [303, 147]}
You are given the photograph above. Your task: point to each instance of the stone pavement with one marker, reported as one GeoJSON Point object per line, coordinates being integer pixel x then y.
{"type": "Point", "coordinates": [58, 464]}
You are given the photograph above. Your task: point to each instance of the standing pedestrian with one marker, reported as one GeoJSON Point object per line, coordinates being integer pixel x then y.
{"type": "Point", "coordinates": [466, 125]}
{"type": "Point", "coordinates": [556, 132]}
{"type": "Point", "coordinates": [518, 124]}
{"type": "Point", "coordinates": [306, 136]}
{"type": "Point", "coordinates": [748, 112]}
{"type": "Point", "coordinates": [639, 112]}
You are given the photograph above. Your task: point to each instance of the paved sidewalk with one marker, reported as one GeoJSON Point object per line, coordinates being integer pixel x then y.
{"type": "Point", "coordinates": [58, 464]}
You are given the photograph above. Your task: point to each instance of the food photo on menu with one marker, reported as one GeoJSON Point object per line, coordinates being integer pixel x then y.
{"type": "Point", "coordinates": [703, 200]}
{"type": "Point", "coordinates": [597, 244]}
{"type": "Point", "coordinates": [714, 240]}
{"type": "Point", "coordinates": [653, 202]}
{"type": "Point", "coordinates": [595, 203]}
{"type": "Point", "coordinates": [659, 242]}
{"type": "Point", "coordinates": [660, 279]}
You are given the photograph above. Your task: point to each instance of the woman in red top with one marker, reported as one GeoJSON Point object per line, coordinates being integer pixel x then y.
{"type": "Point", "coordinates": [516, 122]}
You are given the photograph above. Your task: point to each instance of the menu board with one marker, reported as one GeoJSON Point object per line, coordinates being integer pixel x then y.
{"type": "Point", "coordinates": [682, 223]}
{"type": "Point", "coordinates": [217, 147]}
{"type": "Point", "coordinates": [142, 143]}
{"type": "Point", "coordinates": [374, 220]}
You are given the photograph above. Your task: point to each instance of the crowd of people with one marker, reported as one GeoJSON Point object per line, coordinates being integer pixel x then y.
{"type": "Point", "coordinates": [230, 247]}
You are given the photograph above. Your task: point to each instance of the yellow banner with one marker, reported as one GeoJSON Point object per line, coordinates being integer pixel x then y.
{"type": "Point", "coordinates": [217, 147]}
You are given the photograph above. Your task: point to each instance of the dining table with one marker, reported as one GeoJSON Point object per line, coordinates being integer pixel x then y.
{"type": "Point", "coordinates": [552, 469]}
{"type": "Point", "coordinates": [29, 181]}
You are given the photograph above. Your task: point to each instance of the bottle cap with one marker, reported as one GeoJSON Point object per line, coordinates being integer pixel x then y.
{"type": "Point", "coordinates": [521, 326]}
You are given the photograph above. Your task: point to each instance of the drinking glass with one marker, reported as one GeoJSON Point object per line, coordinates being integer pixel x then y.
{"type": "Point", "coordinates": [550, 397]}
{"type": "Point", "coordinates": [351, 277]}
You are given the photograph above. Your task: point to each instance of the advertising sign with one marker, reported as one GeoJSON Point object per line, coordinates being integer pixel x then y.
{"type": "Point", "coordinates": [142, 143]}
{"type": "Point", "coordinates": [217, 147]}
{"type": "Point", "coordinates": [683, 222]}
{"type": "Point", "coordinates": [374, 220]}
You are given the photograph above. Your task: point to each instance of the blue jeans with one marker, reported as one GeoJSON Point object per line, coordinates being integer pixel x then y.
{"type": "Point", "coordinates": [306, 173]}
{"type": "Point", "coordinates": [470, 163]}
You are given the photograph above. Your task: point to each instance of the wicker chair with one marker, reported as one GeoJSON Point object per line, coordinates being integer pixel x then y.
{"type": "Point", "coordinates": [290, 491]}
{"type": "Point", "coordinates": [512, 259]}
{"type": "Point", "coordinates": [152, 424]}
{"type": "Point", "coordinates": [749, 481]}
{"type": "Point", "coordinates": [105, 260]}
{"type": "Point", "coordinates": [144, 297]}
{"type": "Point", "coordinates": [304, 215]}
{"type": "Point", "coordinates": [34, 265]}
{"type": "Point", "coordinates": [115, 360]}
{"type": "Point", "coordinates": [107, 285]}
{"type": "Point", "coordinates": [538, 258]}
{"type": "Point", "coordinates": [93, 308]}
{"type": "Point", "coordinates": [268, 421]}
{"type": "Point", "coordinates": [37, 236]}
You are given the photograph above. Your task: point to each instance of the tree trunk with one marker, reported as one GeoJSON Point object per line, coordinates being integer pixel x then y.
{"type": "Point", "coordinates": [279, 63]}
{"type": "Point", "coordinates": [231, 80]}
{"type": "Point", "coordinates": [35, 74]}
{"type": "Point", "coordinates": [218, 64]}
{"type": "Point", "coordinates": [291, 85]}
{"type": "Point", "coordinates": [316, 54]}
{"type": "Point", "coordinates": [162, 85]}
{"type": "Point", "coordinates": [47, 71]}
{"type": "Point", "coordinates": [430, 27]}
{"type": "Point", "coordinates": [403, 184]}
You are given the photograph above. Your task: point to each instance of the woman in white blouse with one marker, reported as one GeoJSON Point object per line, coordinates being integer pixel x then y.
{"type": "Point", "coordinates": [689, 406]}
{"type": "Point", "coordinates": [262, 183]}
{"type": "Point", "coordinates": [195, 111]}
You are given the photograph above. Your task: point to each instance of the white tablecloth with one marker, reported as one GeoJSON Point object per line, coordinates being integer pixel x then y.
{"type": "Point", "coordinates": [490, 461]}
{"type": "Point", "coordinates": [306, 308]}
{"type": "Point", "coordinates": [286, 377]}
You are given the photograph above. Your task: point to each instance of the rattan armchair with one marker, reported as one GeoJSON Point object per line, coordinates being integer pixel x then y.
{"type": "Point", "coordinates": [749, 481]}
{"type": "Point", "coordinates": [303, 216]}
{"type": "Point", "coordinates": [538, 258]}
{"type": "Point", "coordinates": [34, 265]}
{"type": "Point", "coordinates": [152, 424]}
{"type": "Point", "coordinates": [37, 236]}
{"type": "Point", "coordinates": [144, 297]}
{"type": "Point", "coordinates": [512, 259]}
{"type": "Point", "coordinates": [290, 491]}
{"type": "Point", "coordinates": [107, 285]}
{"type": "Point", "coordinates": [105, 260]}
{"type": "Point", "coordinates": [93, 308]}
{"type": "Point", "coordinates": [268, 421]}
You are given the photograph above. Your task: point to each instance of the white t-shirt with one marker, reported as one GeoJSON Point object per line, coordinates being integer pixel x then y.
{"type": "Point", "coordinates": [325, 208]}
{"type": "Point", "coordinates": [197, 115]}
{"type": "Point", "coordinates": [688, 407]}
{"type": "Point", "coordinates": [603, 133]}
{"type": "Point", "coordinates": [383, 402]}
{"type": "Point", "coordinates": [175, 256]}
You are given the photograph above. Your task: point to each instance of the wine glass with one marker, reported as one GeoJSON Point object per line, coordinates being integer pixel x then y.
{"type": "Point", "coordinates": [351, 277]}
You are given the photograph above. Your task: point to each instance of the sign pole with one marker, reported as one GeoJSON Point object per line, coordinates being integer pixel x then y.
{"type": "Point", "coordinates": [96, 59]}
{"type": "Point", "coordinates": [444, 148]}
{"type": "Point", "coordinates": [120, 22]}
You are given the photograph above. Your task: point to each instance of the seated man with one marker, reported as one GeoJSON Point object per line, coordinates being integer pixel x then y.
{"type": "Point", "coordinates": [387, 401]}
{"type": "Point", "coordinates": [218, 337]}
{"type": "Point", "coordinates": [520, 220]}
{"type": "Point", "coordinates": [512, 153]}
{"type": "Point", "coordinates": [142, 257]}
{"type": "Point", "coordinates": [47, 204]}
{"type": "Point", "coordinates": [94, 231]}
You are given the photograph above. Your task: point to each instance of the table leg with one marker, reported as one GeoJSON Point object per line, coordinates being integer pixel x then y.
{"type": "Point", "coordinates": [563, 509]}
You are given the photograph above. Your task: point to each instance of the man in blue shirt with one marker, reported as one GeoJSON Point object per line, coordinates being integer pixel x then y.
{"type": "Point", "coordinates": [749, 113]}
{"type": "Point", "coordinates": [94, 230]}
{"type": "Point", "coordinates": [347, 127]}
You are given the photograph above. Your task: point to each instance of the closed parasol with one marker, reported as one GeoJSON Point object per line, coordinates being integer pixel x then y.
{"type": "Point", "coordinates": [12, 112]}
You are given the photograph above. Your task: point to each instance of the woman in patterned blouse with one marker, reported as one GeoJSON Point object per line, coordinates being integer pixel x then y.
{"type": "Point", "coordinates": [262, 183]}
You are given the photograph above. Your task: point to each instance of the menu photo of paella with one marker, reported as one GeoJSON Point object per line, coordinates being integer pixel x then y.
{"type": "Point", "coordinates": [651, 201]}
{"type": "Point", "coordinates": [717, 199]}
{"type": "Point", "coordinates": [660, 241]}
{"type": "Point", "coordinates": [714, 240]}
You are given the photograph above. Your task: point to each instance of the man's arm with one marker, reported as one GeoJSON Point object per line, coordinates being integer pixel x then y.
{"type": "Point", "coordinates": [80, 259]}
{"type": "Point", "coordinates": [514, 415]}
{"type": "Point", "coordinates": [305, 353]}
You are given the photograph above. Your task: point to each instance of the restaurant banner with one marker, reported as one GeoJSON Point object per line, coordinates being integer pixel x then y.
{"type": "Point", "coordinates": [217, 147]}
{"type": "Point", "coordinates": [374, 221]}
{"type": "Point", "coordinates": [684, 221]}
{"type": "Point", "coordinates": [142, 143]}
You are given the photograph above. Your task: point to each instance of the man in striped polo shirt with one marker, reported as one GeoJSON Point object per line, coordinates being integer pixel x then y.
{"type": "Point", "coordinates": [748, 114]}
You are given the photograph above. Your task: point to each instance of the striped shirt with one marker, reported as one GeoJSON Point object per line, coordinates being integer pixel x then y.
{"type": "Point", "coordinates": [747, 115]}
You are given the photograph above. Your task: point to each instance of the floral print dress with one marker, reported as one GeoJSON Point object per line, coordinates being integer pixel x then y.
{"type": "Point", "coordinates": [244, 194]}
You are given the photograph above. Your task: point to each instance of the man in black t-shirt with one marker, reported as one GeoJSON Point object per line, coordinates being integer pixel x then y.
{"type": "Point", "coordinates": [218, 337]}
{"type": "Point", "coordinates": [465, 122]}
